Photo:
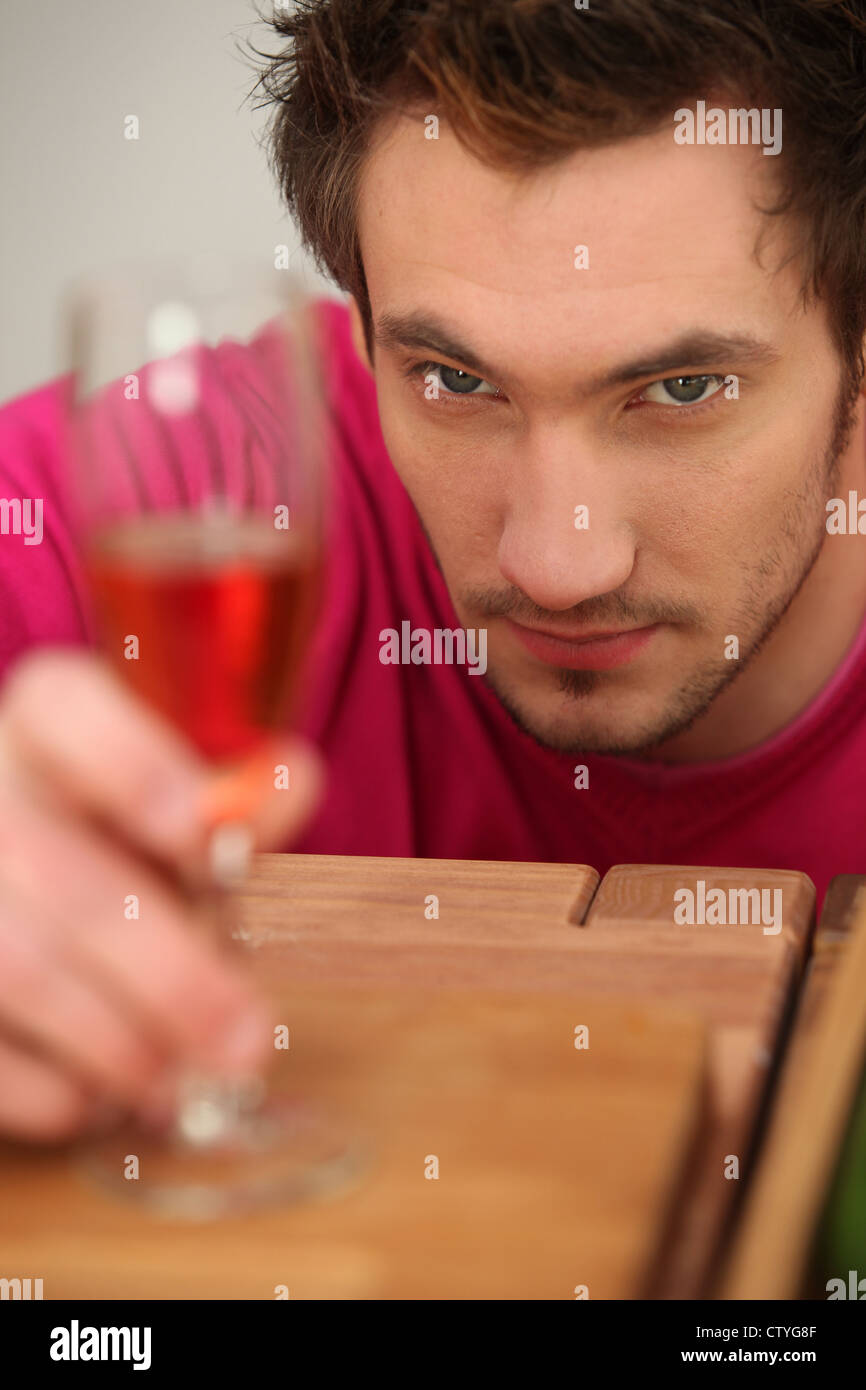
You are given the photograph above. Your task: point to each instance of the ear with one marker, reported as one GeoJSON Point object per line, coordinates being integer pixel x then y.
{"type": "Point", "coordinates": [358, 338]}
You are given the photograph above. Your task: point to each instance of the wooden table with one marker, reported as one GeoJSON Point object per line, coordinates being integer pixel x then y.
{"type": "Point", "coordinates": [438, 1006]}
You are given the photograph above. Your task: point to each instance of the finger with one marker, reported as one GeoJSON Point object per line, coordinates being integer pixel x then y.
{"type": "Point", "coordinates": [114, 920]}
{"type": "Point", "coordinates": [69, 720]}
{"type": "Point", "coordinates": [58, 1013]}
{"type": "Point", "coordinates": [37, 1101]}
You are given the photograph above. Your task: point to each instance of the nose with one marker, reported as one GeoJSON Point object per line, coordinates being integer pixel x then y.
{"type": "Point", "coordinates": [564, 539]}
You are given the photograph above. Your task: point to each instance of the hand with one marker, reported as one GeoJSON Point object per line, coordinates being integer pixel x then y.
{"type": "Point", "coordinates": [100, 800]}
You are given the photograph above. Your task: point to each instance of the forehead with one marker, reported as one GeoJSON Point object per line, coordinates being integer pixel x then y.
{"type": "Point", "coordinates": [671, 232]}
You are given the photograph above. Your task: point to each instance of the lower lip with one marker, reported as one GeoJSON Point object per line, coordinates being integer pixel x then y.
{"type": "Point", "coordinates": [598, 654]}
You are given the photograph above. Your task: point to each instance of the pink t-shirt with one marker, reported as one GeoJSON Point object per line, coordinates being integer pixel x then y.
{"type": "Point", "coordinates": [423, 760]}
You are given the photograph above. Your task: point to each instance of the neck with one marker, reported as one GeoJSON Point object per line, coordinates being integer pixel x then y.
{"type": "Point", "coordinates": [804, 650]}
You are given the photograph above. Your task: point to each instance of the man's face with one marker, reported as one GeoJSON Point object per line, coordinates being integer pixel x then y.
{"type": "Point", "coordinates": [555, 388]}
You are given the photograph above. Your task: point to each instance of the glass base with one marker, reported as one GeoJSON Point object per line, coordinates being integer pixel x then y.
{"type": "Point", "coordinates": [286, 1150]}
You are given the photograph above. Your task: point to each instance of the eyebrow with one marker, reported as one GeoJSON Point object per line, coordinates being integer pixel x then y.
{"type": "Point", "coordinates": [696, 349]}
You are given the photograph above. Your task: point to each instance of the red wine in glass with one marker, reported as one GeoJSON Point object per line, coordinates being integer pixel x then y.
{"type": "Point", "coordinates": [207, 620]}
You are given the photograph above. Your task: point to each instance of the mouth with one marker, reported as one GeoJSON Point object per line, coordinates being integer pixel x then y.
{"type": "Point", "coordinates": [584, 651]}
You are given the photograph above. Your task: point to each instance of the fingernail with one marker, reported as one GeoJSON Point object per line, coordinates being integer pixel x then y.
{"type": "Point", "coordinates": [230, 852]}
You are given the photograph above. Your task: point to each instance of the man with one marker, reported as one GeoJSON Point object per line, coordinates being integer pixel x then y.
{"type": "Point", "coordinates": [598, 385]}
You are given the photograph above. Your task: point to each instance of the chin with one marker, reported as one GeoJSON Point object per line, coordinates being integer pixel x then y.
{"type": "Point", "coordinates": [591, 727]}
{"type": "Point", "coordinates": [616, 713]}
{"type": "Point", "coordinates": [584, 738]}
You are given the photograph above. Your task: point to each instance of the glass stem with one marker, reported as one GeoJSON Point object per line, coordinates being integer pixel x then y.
{"type": "Point", "coordinates": [209, 1107]}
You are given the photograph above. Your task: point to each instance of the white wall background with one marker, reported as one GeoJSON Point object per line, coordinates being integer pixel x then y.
{"type": "Point", "coordinates": [76, 195]}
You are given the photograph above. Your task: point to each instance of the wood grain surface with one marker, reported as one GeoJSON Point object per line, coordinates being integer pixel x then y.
{"type": "Point", "coordinates": [557, 1166]}
{"type": "Point", "coordinates": [325, 931]}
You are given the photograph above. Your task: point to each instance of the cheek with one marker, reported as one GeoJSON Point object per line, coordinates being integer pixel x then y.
{"type": "Point", "coordinates": [699, 526]}
{"type": "Point", "coordinates": [739, 527]}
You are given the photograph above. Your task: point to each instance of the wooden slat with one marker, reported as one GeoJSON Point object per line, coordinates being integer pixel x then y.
{"type": "Point", "coordinates": [558, 1166]}
{"type": "Point", "coordinates": [827, 950]}
{"type": "Point", "coordinates": [507, 925]}
{"type": "Point", "coordinates": [751, 977]}
{"type": "Point", "coordinates": [480, 902]}
{"type": "Point", "coordinates": [640, 899]}
{"type": "Point", "coordinates": [822, 1067]}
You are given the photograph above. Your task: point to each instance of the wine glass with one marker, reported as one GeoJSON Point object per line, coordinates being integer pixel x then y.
{"type": "Point", "coordinates": [197, 432]}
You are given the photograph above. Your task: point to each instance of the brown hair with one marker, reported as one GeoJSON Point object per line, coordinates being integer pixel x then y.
{"type": "Point", "coordinates": [525, 82]}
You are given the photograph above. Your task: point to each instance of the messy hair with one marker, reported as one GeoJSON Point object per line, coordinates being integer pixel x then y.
{"type": "Point", "coordinates": [524, 83]}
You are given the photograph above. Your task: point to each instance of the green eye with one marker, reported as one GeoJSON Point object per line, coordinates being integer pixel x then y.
{"type": "Point", "coordinates": [456, 382]}
{"type": "Point", "coordinates": [453, 380]}
{"type": "Point", "coordinates": [683, 390]}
